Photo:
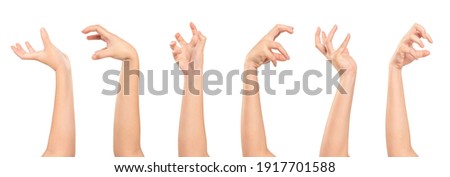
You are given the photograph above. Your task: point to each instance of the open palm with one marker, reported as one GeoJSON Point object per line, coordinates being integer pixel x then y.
{"type": "Point", "coordinates": [50, 55]}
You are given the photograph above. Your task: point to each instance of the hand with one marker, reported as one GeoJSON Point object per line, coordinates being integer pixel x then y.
{"type": "Point", "coordinates": [50, 56]}
{"type": "Point", "coordinates": [262, 53]}
{"type": "Point", "coordinates": [115, 46]}
{"type": "Point", "coordinates": [340, 58]}
{"type": "Point", "coordinates": [405, 53]}
{"type": "Point", "coordinates": [189, 52]}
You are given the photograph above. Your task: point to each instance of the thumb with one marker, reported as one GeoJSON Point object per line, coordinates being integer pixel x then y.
{"type": "Point", "coordinates": [420, 53]}
{"type": "Point", "coordinates": [201, 39]}
{"type": "Point", "coordinates": [100, 54]}
{"type": "Point", "coordinates": [45, 38]}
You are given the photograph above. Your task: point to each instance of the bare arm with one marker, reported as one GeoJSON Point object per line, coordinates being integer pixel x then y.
{"type": "Point", "coordinates": [335, 137]}
{"type": "Point", "coordinates": [189, 56]}
{"type": "Point", "coordinates": [253, 136]}
{"type": "Point", "coordinates": [127, 132]}
{"type": "Point", "coordinates": [61, 141]}
{"type": "Point", "coordinates": [398, 138]}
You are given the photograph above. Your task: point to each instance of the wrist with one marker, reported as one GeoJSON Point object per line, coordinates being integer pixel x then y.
{"type": "Point", "coordinates": [393, 66]}
{"type": "Point", "coordinates": [250, 66]}
{"type": "Point", "coordinates": [64, 66]}
{"type": "Point", "coordinates": [133, 55]}
{"type": "Point", "coordinates": [133, 62]}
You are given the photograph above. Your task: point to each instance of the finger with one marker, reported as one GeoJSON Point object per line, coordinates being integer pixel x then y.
{"type": "Point", "coordinates": [201, 36]}
{"type": "Point", "coordinates": [45, 38]}
{"type": "Point", "coordinates": [18, 50]}
{"type": "Point", "coordinates": [329, 40]}
{"type": "Point", "coordinates": [279, 57]}
{"type": "Point", "coordinates": [278, 29]}
{"type": "Point", "coordinates": [421, 30]}
{"type": "Point", "coordinates": [417, 40]}
{"type": "Point", "coordinates": [29, 47]}
{"type": "Point", "coordinates": [180, 39]}
{"type": "Point", "coordinates": [97, 28]}
{"type": "Point", "coordinates": [419, 53]}
{"type": "Point", "coordinates": [428, 37]}
{"type": "Point", "coordinates": [175, 53]}
{"type": "Point", "coordinates": [175, 49]}
{"type": "Point", "coordinates": [193, 29]}
{"type": "Point", "coordinates": [324, 38]}
{"type": "Point", "coordinates": [280, 48]}
{"type": "Point", "coordinates": [418, 28]}
{"type": "Point", "coordinates": [274, 61]}
{"type": "Point", "coordinates": [319, 44]}
{"type": "Point", "coordinates": [94, 37]}
{"type": "Point", "coordinates": [271, 57]}
{"type": "Point", "coordinates": [100, 54]}
{"type": "Point", "coordinates": [202, 39]}
{"type": "Point", "coordinates": [173, 45]}
{"type": "Point", "coordinates": [345, 43]}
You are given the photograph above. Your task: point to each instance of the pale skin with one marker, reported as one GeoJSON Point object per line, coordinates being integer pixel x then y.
{"type": "Point", "coordinates": [253, 136]}
{"type": "Point", "coordinates": [127, 132]}
{"type": "Point", "coordinates": [398, 138]}
{"type": "Point", "coordinates": [335, 137]}
{"type": "Point", "coordinates": [191, 133]}
{"type": "Point", "coordinates": [61, 142]}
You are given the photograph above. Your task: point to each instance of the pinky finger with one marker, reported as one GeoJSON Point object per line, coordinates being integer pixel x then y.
{"type": "Point", "coordinates": [175, 53]}
{"type": "Point", "coordinates": [17, 51]}
{"type": "Point", "coordinates": [173, 45]}
{"type": "Point", "coordinates": [274, 62]}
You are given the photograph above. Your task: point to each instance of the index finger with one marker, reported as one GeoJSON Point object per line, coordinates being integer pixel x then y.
{"type": "Point", "coordinates": [345, 43]}
{"type": "Point", "coordinates": [96, 28]}
{"type": "Point", "coordinates": [278, 29]}
{"type": "Point", "coordinates": [423, 34]}
{"type": "Point", "coordinates": [418, 28]}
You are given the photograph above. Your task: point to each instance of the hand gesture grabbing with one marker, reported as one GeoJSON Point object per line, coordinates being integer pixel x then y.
{"type": "Point", "coordinates": [115, 46]}
{"type": "Point", "coordinates": [405, 53]}
{"type": "Point", "coordinates": [50, 55]}
{"type": "Point", "coordinates": [262, 53]}
{"type": "Point", "coordinates": [340, 58]}
{"type": "Point", "coordinates": [186, 53]}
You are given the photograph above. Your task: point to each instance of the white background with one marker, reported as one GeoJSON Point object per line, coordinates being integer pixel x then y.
{"type": "Point", "coordinates": [294, 124]}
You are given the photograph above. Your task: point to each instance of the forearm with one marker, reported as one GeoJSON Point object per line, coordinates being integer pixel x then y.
{"type": "Point", "coordinates": [192, 135]}
{"type": "Point", "coordinates": [397, 127]}
{"type": "Point", "coordinates": [252, 125]}
{"type": "Point", "coordinates": [62, 134]}
{"type": "Point", "coordinates": [335, 138]}
{"type": "Point", "coordinates": [126, 118]}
